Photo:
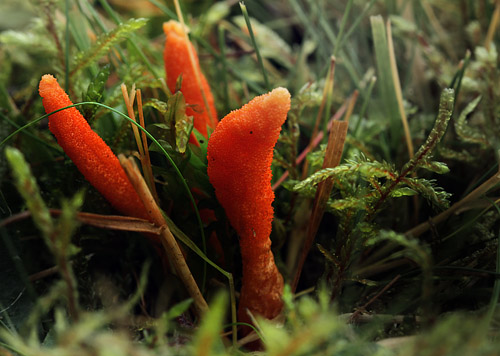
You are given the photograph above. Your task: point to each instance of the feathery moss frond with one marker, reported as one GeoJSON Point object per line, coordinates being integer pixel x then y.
{"type": "Point", "coordinates": [104, 43]}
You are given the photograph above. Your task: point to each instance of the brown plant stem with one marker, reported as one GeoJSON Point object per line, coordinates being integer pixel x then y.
{"type": "Point", "coordinates": [146, 159]}
{"type": "Point", "coordinates": [354, 316]}
{"type": "Point", "coordinates": [168, 241]}
{"type": "Point", "coordinates": [315, 143]}
{"type": "Point", "coordinates": [327, 90]}
{"type": "Point", "coordinates": [110, 222]}
{"type": "Point", "coordinates": [398, 91]}
{"type": "Point", "coordinates": [44, 273]}
{"type": "Point", "coordinates": [492, 29]}
{"type": "Point", "coordinates": [333, 155]}
{"type": "Point", "coordinates": [51, 28]}
{"type": "Point", "coordinates": [129, 103]}
{"type": "Point", "coordinates": [472, 196]}
{"type": "Point", "coordinates": [142, 144]}
{"type": "Point", "coordinates": [71, 289]}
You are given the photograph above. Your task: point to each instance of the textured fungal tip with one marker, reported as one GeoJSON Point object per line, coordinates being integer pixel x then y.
{"type": "Point", "coordinates": [277, 102]}
{"type": "Point", "coordinates": [48, 82]}
{"type": "Point", "coordinates": [281, 96]}
{"type": "Point", "coordinates": [172, 27]}
{"type": "Point", "coordinates": [46, 78]}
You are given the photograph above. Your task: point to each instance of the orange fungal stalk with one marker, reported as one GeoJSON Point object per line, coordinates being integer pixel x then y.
{"type": "Point", "coordinates": [91, 155]}
{"type": "Point", "coordinates": [177, 62]}
{"type": "Point", "coordinates": [240, 153]}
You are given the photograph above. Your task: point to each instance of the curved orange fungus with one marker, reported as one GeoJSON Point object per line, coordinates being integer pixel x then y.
{"type": "Point", "coordinates": [91, 155]}
{"type": "Point", "coordinates": [177, 62]}
{"type": "Point", "coordinates": [240, 153]}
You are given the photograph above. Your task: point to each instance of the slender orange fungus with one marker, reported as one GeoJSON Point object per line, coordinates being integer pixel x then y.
{"type": "Point", "coordinates": [91, 155]}
{"type": "Point", "coordinates": [177, 62]}
{"type": "Point", "coordinates": [240, 153]}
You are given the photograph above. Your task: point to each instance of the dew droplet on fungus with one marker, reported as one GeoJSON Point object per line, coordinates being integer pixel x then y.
{"type": "Point", "coordinates": [240, 153]}
{"type": "Point", "coordinates": [177, 62]}
{"type": "Point", "coordinates": [91, 155]}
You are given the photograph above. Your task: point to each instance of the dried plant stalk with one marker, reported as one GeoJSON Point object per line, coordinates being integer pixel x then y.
{"type": "Point", "coordinates": [333, 155]}
{"type": "Point", "coordinates": [350, 106]}
{"type": "Point", "coordinates": [492, 29]}
{"type": "Point", "coordinates": [145, 159]}
{"type": "Point", "coordinates": [398, 91]}
{"type": "Point", "coordinates": [115, 222]}
{"type": "Point", "coordinates": [327, 94]}
{"type": "Point", "coordinates": [168, 241]}
{"type": "Point", "coordinates": [472, 196]}
{"type": "Point", "coordinates": [316, 141]}
{"type": "Point", "coordinates": [129, 103]}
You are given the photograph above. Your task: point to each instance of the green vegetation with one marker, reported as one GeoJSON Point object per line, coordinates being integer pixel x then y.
{"type": "Point", "coordinates": [386, 217]}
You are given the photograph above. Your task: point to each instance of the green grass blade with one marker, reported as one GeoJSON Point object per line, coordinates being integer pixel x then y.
{"type": "Point", "coordinates": [131, 40]}
{"type": "Point", "coordinates": [343, 23]}
{"type": "Point", "coordinates": [27, 133]}
{"type": "Point", "coordinates": [207, 340]}
{"type": "Point", "coordinates": [364, 106]}
{"type": "Point", "coordinates": [356, 23]}
{"type": "Point", "coordinates": [225, 85]}
{"type": "Point", "coordinates": [165, 9]}
{"type": "Point", "coordinates": [254, 42]}
{"type": "Point", "coordinates": [66, 47]}
{"type": "Point", "coordinates": [98, 21]}
{"type": "Point", "coordinates": [385, 80]}
{"type": "Point", "coordinates": [101, 47]}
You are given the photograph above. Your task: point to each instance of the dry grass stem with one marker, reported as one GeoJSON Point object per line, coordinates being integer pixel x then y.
{"type": "Point", "coordinates": [332, 158]}
{"type": "Point", "coordinates": [316, 141]}
{"type": "Point", "coordinates": [327, 90]}
{"type": "Point", "coordinates": [353, 317]}
{"type": "Point", "coordinates": [492, 29]}
{"type": "Point", "coordinates": [145, 159]}
{"type": "Point", "coordinates": [116, 222]}
{"type": "Point", "coordinates": [471, 197]}
{"type": "Point", "coordinates": [350, 107]}
{"type": "Point", "coordinates": [438, 29]}
{"type": "Point", "coordinates": [168, 241]}
{"type": "Point", "coordinates": [129, 103]}
{"type": "Point", "coordinates": [110, 222]}
{"type": "Point", "coordinates": [44, 273]}
{"type": "Point", "coordinates": [397, 89]}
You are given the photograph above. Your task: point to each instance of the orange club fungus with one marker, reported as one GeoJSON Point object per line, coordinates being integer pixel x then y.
{"type": "Point", "coordinates": [91, 155]}
{"type": "Point", "coordinates": [181, 59]}
{"type": "Point", "coordinates": [240, 153]}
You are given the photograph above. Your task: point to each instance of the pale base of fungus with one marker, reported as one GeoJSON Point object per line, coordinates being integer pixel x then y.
{"type": "Point", "coordinates": [265, 301]}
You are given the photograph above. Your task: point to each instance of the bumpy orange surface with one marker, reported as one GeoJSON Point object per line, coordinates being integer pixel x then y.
{"type": "Point", "coordinates": [176, 57]}
{"type": "Point", "coordinates": [92, 156]}
{"type": "Point", "coordinates": [240, 153]}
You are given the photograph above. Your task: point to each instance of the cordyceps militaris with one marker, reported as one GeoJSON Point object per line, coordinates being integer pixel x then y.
{"type": "Point", "coordinates": [91, 155]}
{"type": "Point", "coordinates": [181, 59]}
{"type": "Point", "coordinates": [240, 153]}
